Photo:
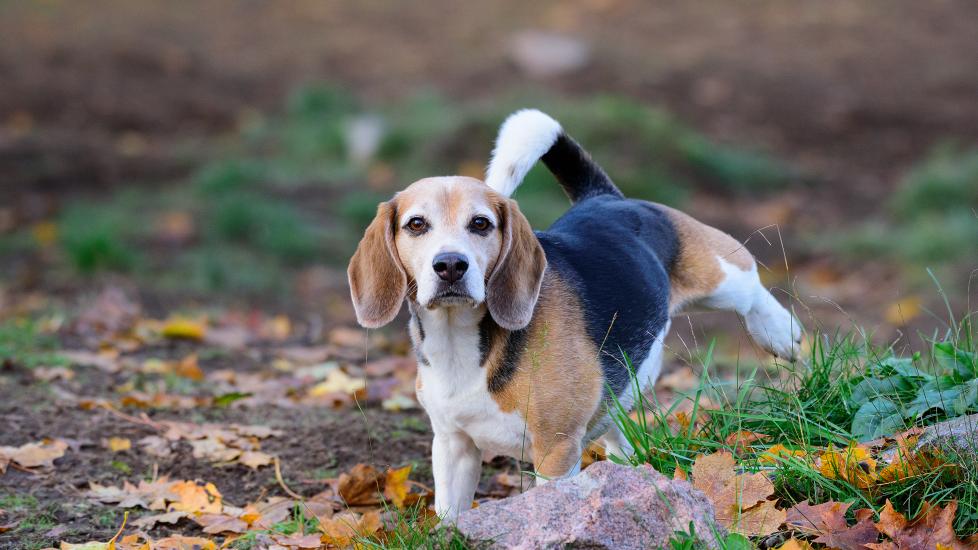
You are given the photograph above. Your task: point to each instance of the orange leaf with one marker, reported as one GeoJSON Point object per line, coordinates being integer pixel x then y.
{"type": "Point", "coordinates": [188, 368]}
{"type": "Point", "coordinates": [932, 526]}
{"type": "Point", "coordinates": [192, 497]}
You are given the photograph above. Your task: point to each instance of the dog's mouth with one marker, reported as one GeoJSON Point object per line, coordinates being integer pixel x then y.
{"type": "Point", "coordinates": [452, 296]}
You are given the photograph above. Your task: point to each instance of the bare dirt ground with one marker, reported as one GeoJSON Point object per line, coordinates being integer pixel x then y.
{"type": "Point", "coordinates": [96, 96]}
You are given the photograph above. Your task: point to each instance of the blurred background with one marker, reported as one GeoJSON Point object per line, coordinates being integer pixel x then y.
{"type": "Point", "coordinates": [232, 152]}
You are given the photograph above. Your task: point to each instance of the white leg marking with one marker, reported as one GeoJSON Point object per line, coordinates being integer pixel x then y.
{"type": "Point", "coordinates": [615, 443]}
{"type": "Point", "coordinates": [456, 463]}
{"type": "Point", "coordinates": [772, 326]}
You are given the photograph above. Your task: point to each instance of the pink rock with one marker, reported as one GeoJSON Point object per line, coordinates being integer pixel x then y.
{"type": "Point", "coordinates": [606, 506]}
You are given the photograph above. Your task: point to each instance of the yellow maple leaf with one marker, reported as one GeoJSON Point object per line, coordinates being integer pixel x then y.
{"type": "Point", "coordinates": [396, 486]}
{"type": "Point", "coordinates": [779, 453]}
{"type": "Point", "coordinates": [853, 464]}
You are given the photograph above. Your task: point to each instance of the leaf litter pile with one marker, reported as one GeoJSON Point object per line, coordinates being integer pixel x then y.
{"type": "Point", "coordinates": [240, 430]}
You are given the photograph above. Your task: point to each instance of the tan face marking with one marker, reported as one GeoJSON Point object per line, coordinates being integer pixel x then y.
{"type": "Point", "coordinates": [457, 215]}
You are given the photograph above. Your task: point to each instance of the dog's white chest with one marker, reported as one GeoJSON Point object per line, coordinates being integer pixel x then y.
{"type": "Point", "coordinates": [455, 394]}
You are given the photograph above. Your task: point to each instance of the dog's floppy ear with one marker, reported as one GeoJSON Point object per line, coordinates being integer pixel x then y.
{"type": "Point", "coordinates": [378, 282]}
{"type": "Point", "coordinates": [514, 284]}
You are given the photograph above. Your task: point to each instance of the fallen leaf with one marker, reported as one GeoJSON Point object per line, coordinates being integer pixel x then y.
{"type": "Point", "coordinates": [216, 524]}
{"type": "Point", "coordinates": [299, 541]}
{"type": "Point", "coordinates": [181, 328]}
{"type": "Point", "coordinates": [338, 381]}
{"type": "Point", "coordinates": [33, 455]}
{"type": "Point", "coordinates": [740, 499]}
{"type": "Point", "coordinates": [180, 542]}
{"type": "Point", "coordinates": [931, 526]}
{"type": "Point", "coordinates": [188, 368]}
{"type": "Point", "coordinates": [194, 497]}
{"type": "Point", "coordinates": [857, 537]}
{"type": "Point", "coordinates": [776, 454]}
{"type": "Point", "coordinates": [396, 487]}
{"type": "Point", "coordinates": [107, 361]}
{"type": "Point", "coordinates": [255, 459]}
{"type": "Point", "coordinates": [148, 522]}
{"type": "Point", "coordinates": [827, 517]}
{"type": "Point", "coordinates": [854, 464]}
{"type": "Point", "coordinates": [118, 444]}
{"type": "Point", "coordinates": [342, 528]}
{"type": "Point", "coordinates": [49, 374]}
{"type": "Point", "coordinates": [360, 487]}
{"type": "Point", "coordinates": [795, 544]}
{"type": "Point", "coordinates": [759, 520]}
{"type": "Point", "coordinates": [740, 440]}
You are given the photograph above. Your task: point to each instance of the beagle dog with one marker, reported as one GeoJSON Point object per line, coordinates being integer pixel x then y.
{"type": "Point", "coordinates": [523, 337]}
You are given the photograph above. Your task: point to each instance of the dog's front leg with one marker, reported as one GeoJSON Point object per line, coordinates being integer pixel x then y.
{"type": "Point", "coordinates": [456, 463]}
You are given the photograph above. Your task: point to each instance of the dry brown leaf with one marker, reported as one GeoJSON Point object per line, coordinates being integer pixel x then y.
{"type": "Point", "coordinates": [932, 526]}
{"type": "Point", "coordinates": [740, 499]}
{"type": "Point", "coordinates": [741, 440]}
{"type": "Point", "coordinates": [298, 540]}
{"type": "Point", "coordinates": [360, 487]}
{"type": "Point", "coordinates": [152, 495]}
{"type": "Point", "coordinates": [857, 537]}
{"type": "Point", "coordinates": [180, 542]}
{"type": "Point", "coordinates": [255, 459]}
{"type": "Point", "coordinates": [49, 374]}
{"type": "Point", "coordinates": [820, 519]}
{"type": "Point", "coordinates": [760, 520]}
{"type": "Point", "coordinates": [148, 522]}
{"type": "Point", "coordinates": [216, 524]}
{"type": "Point", "coordinates": [33, 455]}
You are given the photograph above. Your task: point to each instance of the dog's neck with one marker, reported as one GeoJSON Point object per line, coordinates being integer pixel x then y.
{"type": "Point", "coordinates": [447, 339]}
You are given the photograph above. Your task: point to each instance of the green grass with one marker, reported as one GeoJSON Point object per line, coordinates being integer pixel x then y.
{"type": "Point", "coordinates": [285, 193]}
{"type": "Point", "coordinates": [410, 530]}
{"type": "Point", "coordinates": [23, 342]}
{"type": "Point", "coordinates": [834, 399]}
{"type": "Point", "coordinates": [932, 218]}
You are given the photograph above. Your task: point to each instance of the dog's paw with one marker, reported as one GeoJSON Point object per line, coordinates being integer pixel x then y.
{"type": "Point", "coordinates": [775, 329]}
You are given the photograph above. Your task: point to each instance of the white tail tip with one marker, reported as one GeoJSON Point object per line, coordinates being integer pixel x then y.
{"type": "Point", "coordinates": [523, 138]}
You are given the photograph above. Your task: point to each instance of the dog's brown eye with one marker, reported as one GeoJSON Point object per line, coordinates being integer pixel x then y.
{"type": "Point", "coordinates": [417, 224]}
{"type": "Point", "coordinates": [480, 224]}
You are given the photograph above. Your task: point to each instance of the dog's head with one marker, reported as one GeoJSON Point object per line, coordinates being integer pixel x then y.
{"type": "Point", "coordinates": [447, 242]}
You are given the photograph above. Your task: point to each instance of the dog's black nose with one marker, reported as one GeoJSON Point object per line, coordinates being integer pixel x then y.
{"type": "Point", "coordinates": [450, 266]}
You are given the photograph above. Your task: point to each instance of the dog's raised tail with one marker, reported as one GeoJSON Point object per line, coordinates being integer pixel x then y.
{"type": "Point", "coordinates": [530, 135]}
